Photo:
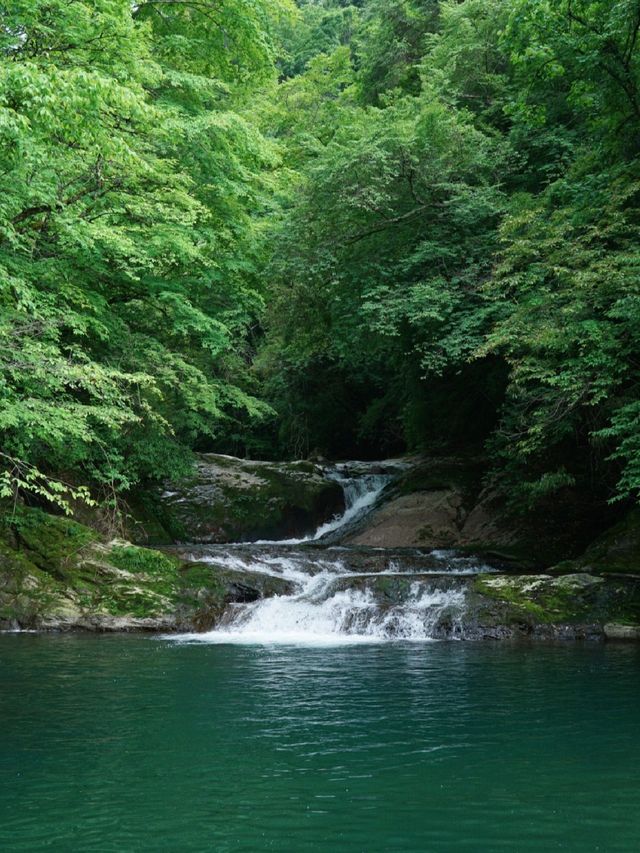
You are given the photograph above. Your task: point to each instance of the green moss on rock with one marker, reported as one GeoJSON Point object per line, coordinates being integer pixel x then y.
{"type": "Point", "coordinates": [227, 500]}
{"type": "Point", "coordinates": [53, 543]}
{"type": "Point", "coordinates": [26, 592]}
{"type": "Point", "coordinates": [134, 559]}
{"type": "Point", "coordinates": [578, 598]}
{"type": "Point", "coordinates": [80, 581]}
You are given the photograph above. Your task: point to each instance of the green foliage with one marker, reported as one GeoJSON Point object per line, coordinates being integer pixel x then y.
{"type": "Point", "coordinates": [128, 254]}
{"type": "Point", "coordinates": [570, 273]}
{"type": "Point", "coordinates": [319, 28]}
{"type": "Point", "coordinates": [578, 60]}
{"type": "Point", "coordinates": [378, 261]}
{"type": "Point", "coordinates": [397, 224]}
{"type": "Point", "coordinates": [391, 45]}
{"type": "Point", "coordinates": [469, 200]}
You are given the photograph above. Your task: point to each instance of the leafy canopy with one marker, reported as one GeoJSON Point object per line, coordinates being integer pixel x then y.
{"type": "Point", "coordinates": [128, 252]}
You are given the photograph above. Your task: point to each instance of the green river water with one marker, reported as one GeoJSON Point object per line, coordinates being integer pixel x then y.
{"type": "Point", "coordinates": [117, 743]}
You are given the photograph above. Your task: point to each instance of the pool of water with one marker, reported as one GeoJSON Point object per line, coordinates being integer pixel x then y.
{"type": "Point", "coordinates": [116, 743]}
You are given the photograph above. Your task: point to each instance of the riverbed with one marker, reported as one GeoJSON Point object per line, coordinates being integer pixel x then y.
{"type": "Point", "coordinates": [115, 743]}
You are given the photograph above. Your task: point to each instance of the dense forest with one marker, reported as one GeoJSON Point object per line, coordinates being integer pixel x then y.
{"type": "Point", "coordinates": [340, 228]}
{"type": "Point", "coordinates": [319, 425]}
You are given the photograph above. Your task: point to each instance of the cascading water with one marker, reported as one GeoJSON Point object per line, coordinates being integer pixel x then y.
{"type": "Point", "coordinates": [340, 594]}
{"type": "Point", "coordinates": [361, 493]}
{"type": "Point", "coordinates": [332, 603]}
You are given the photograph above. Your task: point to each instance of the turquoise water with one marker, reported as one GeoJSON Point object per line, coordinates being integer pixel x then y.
{"type": "Point", "coordinates": [116, 743]}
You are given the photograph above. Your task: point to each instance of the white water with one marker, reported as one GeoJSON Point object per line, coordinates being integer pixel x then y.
{"type": "Point", "coordinates": [326, 607]}
{"type": "Point", "coordinates": [360, 495]}
{"type": "Point", "coordinates": [330, 603]}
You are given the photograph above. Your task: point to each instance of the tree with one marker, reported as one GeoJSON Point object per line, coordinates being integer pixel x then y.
{"type": "Point", "coordinates": [127, 184]}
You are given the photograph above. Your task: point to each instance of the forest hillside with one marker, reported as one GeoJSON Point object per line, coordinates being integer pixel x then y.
{"type": "Point", "coordinates": [349, 229]}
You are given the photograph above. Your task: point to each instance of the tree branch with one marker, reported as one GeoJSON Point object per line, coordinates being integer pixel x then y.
{"type": "Point", "coordinates": [388, 223]}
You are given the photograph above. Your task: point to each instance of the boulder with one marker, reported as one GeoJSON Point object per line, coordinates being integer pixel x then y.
{"type": "Point", "coordinates": [441, 503]}
{"type": "Point", "coordinates": [238, 500]}
{"type": "Point", "coordinates": [81, 582]}
{"type": "Point", "coordinates": [421, 519]}
{"type": "Point", "coordinates": [545, 605]}
{"type": "Point", "coordinates": [613, 631]}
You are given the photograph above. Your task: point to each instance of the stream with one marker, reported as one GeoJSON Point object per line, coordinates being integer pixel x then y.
{"type": "Point", "coordinates": [132, 743]}
{"type": "Point", "coordinates": [323, 719]}
{"type": "Point", "coordinates": [336, 593]}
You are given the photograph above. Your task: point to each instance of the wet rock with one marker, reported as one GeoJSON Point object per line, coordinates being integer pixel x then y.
{"type": "Point", "coordinates": [116, 586]}
{"type": "Point", "coordinates": [612, 631]}
{"type": "Point", "coordinates": [427, 505]}
{"type": "Point", "coordinates": [82, 583]}
{"type": "Point", "coordinates": [441, 503]}
{"type": "Point", "coordinates": [397, 589]}
{"type": "Point", "coordinates": [533, 603]}
{"type": "Point", "coordinates": [422, 519]}
{"type": "Point", "coordinates": [237, 500]}
{"type": "Point", "coordinates": [208, 590]}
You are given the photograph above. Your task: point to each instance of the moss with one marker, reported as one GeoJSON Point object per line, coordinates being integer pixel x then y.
{"type": "Point", "coordinates": [123, 600]}
{"type": "Point", "coordinates": [14, 564]}
{"type": "Point", "coordinates": [151, 589]}
{"type": "Point", "coordinates": [48, 563]}
{"type": "Point", "coordinates": [199, 575]}
{"type": "Point", "coordinates": [86, 579]}
{"type": "Point", "coordinates": [509, 591]}
{"type": "Point", "coordinates": [26, 591]}
{"type": "Point", "coordinates": [134, 559]}
{"type": "Point", "coordinates": [53, 543]}
{"type": "Point", "coordinates": [576, 598]}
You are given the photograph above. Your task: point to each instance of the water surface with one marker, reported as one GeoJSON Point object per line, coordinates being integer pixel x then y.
{"type": "Point", "coordinates": [113, 743]}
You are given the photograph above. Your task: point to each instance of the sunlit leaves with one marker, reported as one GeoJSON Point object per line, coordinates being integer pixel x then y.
{"type": "Point", "coordinates": [128, 183]}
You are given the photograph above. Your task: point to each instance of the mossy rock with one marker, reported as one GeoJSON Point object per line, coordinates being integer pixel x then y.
{"type": "Point", "coordinates": [54, 543]}
{"type": "Point", "coordinates": [135, 559]}
{"type": "Point", "coordinates": [578, 598]}
{"type": "Point", "coordinates": [59, 574]}
{"type": "Point", "coordinates": [26, 592]}
{"type": "Point", "coordinates": [236, 500]}
{"type": "Point", "coordinates": [616, 551]}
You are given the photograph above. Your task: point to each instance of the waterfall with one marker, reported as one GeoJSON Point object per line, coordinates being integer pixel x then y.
{"type": "Point", "coordinates": [340, 594]}
{"type": "Point", "coordinates": [361, 493]}
{"type": "Point", "coordinates": [331, 603]}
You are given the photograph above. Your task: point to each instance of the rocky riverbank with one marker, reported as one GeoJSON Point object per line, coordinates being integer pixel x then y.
{"type": "Point", "coordinates": [236, 500]}
{"type": "Point", "coordinates": [58, 574]}
{"type": "Point", "coordinates": [443, 503]}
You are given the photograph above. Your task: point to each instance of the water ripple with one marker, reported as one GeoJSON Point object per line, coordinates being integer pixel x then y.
{"type": "Point", "coordinates": [130, 743]}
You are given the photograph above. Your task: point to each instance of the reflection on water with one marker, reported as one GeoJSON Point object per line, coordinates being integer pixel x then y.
{"type": "Point", "coordinates": [134, 743]}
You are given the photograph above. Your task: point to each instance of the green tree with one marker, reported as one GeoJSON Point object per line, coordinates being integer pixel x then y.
{"type": "Point", "coordinates": [128, 252]}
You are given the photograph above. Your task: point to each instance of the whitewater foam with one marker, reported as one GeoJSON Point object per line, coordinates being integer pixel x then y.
{"type": "Point", "coordinates": [330, 605]}
{"type": "Point", "coordinates": [360, 496]}
{"type": "Point", "coordinates": [333, 604]}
